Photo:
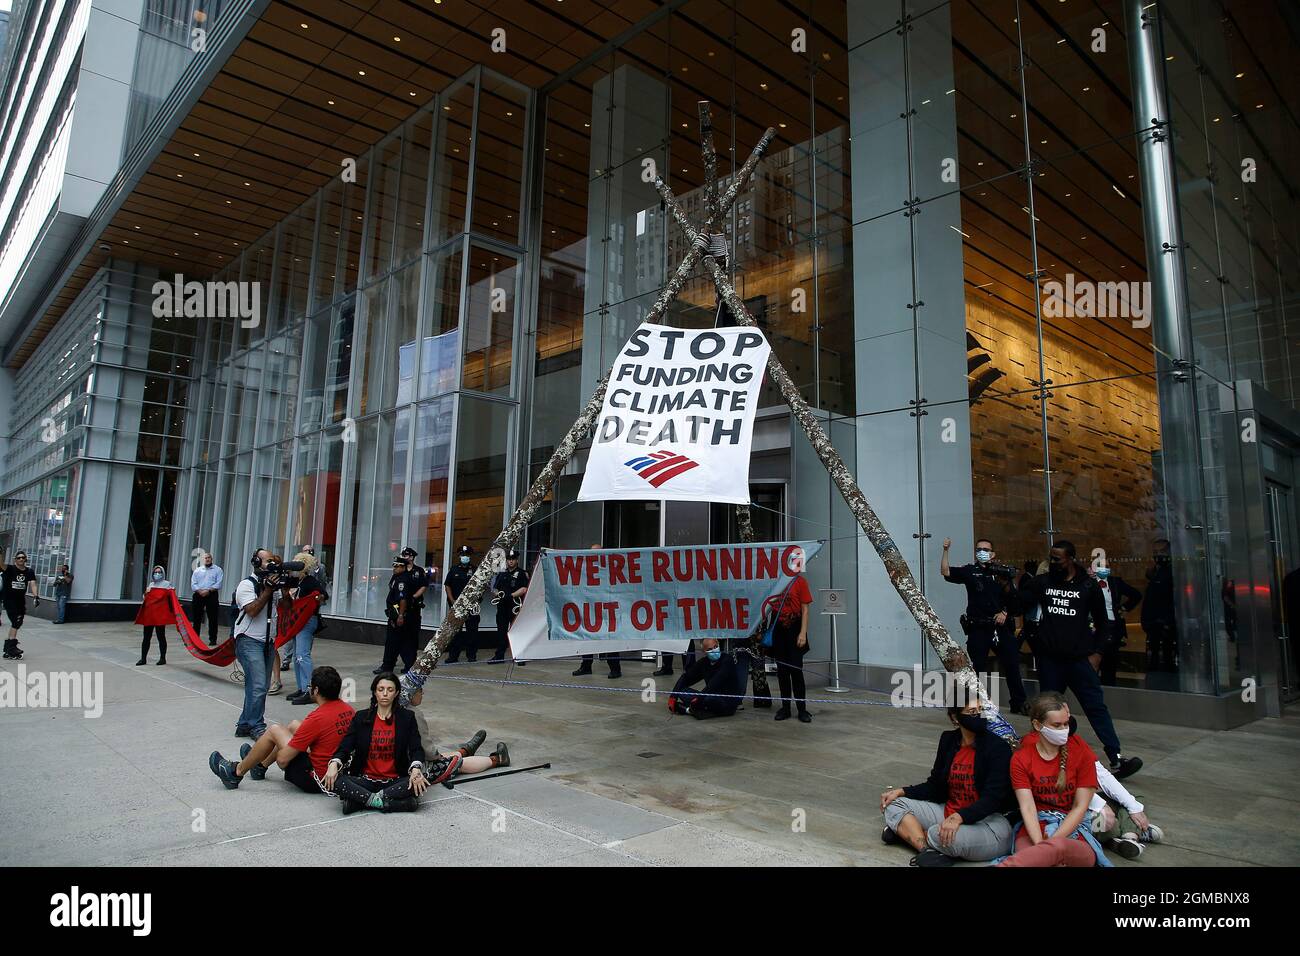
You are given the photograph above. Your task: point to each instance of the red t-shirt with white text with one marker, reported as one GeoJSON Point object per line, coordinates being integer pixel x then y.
{"type": "Point", "coordinates": [961, 781]}
{"type": "Point", "coordinates": [1029, 771]}
{"type": "Point", "coordinates": [380, 761]}
{"type": "Point", "coordinates": [320, 732]}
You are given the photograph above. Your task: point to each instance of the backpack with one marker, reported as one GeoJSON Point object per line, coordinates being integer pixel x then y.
{"type": "Point", "coordinates": [237, 612]}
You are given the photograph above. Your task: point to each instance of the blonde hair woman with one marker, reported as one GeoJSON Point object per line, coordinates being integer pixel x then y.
{"type": "Point", "coordinates": [309, 586]}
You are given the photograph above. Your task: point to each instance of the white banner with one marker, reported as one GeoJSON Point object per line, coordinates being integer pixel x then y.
{"type": "Point", "coordinates": [678, 417]}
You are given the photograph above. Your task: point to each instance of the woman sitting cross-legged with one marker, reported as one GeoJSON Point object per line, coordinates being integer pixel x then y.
{"type": "Point", "coordinates": [383, 756]}
{"type": "Point", "coordinates": [957, 814]}
{"type": "Point", "coordinates": [1054, 776]}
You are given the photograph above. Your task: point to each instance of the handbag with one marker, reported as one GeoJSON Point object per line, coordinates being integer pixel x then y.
{"type": "Point", "coordinates": [767, 636]}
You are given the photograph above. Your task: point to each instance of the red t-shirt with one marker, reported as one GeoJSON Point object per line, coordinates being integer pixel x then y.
{"type": "Point", "coordinates": [320, 732]}
{"type": "Point", "coordinates": [791, 601]}
{"type": "Point", "coordinates": [380, 762]}
{"type": "Point", "coordinates": [961, 781]}
{"type": "Point", "coordinates": [1029, 771]}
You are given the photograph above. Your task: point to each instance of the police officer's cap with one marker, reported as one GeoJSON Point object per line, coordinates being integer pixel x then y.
{"type": "Point", "coordinates": [408, 552]}
{"type": "Point", "coordinates": [465, 549]}
{"type": "Point", "coordinates": [512, 555]}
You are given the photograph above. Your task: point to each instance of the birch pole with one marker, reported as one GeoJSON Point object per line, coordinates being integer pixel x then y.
{"type": "Point", "coordinates": [470, 598]}
{"type": "Point", "coordinates": [900, 575]}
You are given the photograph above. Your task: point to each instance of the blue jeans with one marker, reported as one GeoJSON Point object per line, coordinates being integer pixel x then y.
{"type": "Point", "coordinates": [61, 604]}
{"type": "Point", "coordinates": [255, 658]}
{"type": "Point", "coordinates": [1056, 673]}
{"type": "Point", "coordinates": [302, 652]}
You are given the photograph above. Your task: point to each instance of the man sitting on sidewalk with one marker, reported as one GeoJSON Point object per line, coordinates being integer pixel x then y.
{"type": "Point", "coordinates": [724, 685]}
{"type": "Point", "coordinates": [303, 749]}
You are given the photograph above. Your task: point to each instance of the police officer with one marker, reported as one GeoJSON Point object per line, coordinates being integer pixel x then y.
{"type": "Point", "coordinates": [457, 578]}
{"type": "Point", "coordinates": [990, 609]}
{"type": "Point", "coordinates": [509, 587]}
{"type": "Point", "coordinates": [405, 600]}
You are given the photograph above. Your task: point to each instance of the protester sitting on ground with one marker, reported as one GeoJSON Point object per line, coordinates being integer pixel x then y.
{"type": "Point", "coordinates": [158, 579]}
{"type": "Point", "coordinates": [500, 756]}
{"type": "Point", "coordinates": [724, 686]}
{"type": "Point", "coordinates": [956, 814]}
{"type": "Point", "coordinates": [1118, 819]}
{"type": "Point", "coordinates": [1054, 778]}
{"type": "Point", "coordinates": [383, 757]}
{"type": "Point", "coordinates": [303, 749]}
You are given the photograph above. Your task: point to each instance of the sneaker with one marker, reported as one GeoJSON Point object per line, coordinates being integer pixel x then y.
{"type": "Point", "coordinates": [379, 670]}
{"type": "Point", "coordinates": [257, 771]}
{"type": "Point", "coordinates": [442, 769]}
{"type": "Point", "coordinates": [889, 837]}
{"type": "Point", "coordinates": [502, 753]}
{"type": "Point", "coordinates": [275, 688]}
{"type": "Point", "coordinates": [932, 857]}
{"type": "Point", "coordinates": [1152, 834]}
{"type": "Point", "coordinates": [470, 747]}
{"type": "Point", "coordinates": [350, 806]}
{"type": "Point", "coordinates": [224, 769]}
{"type": "Point", "coordinates": [1123, 766]}
{"type": "Point", "coordinates": [782, 714]}
{"type": "Point", "coordinates": [303, 698]}
{"type": "Point", "coordinates": [1128, 848]}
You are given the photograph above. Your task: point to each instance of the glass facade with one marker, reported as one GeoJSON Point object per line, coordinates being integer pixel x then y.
{"type": "Point", "coordinates": [1032, 265]}
{"type": "Point", "coordinates": [391, 313]}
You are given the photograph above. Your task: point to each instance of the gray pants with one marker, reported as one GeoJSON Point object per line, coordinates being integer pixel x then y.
{"type": "Point", "coordinates": [985, 840]}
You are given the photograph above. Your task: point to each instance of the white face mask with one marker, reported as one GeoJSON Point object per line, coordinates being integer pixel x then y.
{"type": "Point", "coordinates": [983, 557]}
{"type": "Point", "coordinates": [1055, 737]}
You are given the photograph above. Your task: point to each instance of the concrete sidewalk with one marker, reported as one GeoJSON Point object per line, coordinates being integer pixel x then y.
{"type": "Point", "coordinates": [628, 786]}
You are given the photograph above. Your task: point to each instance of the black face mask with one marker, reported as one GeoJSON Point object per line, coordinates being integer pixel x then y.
{"type": "Point", "coordinates": [972, 722]}
{"type": "Point", "coordinates": [1056, 570]}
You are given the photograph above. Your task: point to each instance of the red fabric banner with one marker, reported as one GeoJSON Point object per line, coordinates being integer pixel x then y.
{"type": "Point", "coordinates": [291, 618]}
{"type": "Point", "coordinates": [156, 607]}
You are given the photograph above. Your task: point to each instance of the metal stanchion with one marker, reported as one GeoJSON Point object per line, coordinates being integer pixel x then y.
{"type": "Point", "coordinates": [833, 608]}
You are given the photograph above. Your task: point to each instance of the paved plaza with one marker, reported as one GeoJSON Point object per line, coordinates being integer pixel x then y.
{"type": "Point", "coordinates": [628, 785]}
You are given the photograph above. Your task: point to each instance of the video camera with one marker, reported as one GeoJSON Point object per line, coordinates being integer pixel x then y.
{"type": "Point", "coordinates": [272, 572]}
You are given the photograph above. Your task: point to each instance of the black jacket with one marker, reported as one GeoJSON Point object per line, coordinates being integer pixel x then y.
{"type": "Point", "coordinates": [992, 776]}
{"type": "Point", "coordinates": [1068, 607]}
{"type": "Point", "coordinates": [354, 748]}
{"type": "Point", "coordinates": [722, 676]}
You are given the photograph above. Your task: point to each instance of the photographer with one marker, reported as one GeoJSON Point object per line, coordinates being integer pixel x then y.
{"type": "Point", "coordinates": [405, 599]}
{"type": "Point", "coordinates": [991, 607]}
{"type": "Point", "coordinates": [254, 631]}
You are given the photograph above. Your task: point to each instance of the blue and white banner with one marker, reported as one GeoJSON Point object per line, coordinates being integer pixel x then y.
{"type": "Point", "coordinates": [678, 418]}
{"type": "Point", "coordinates": [603, 601]}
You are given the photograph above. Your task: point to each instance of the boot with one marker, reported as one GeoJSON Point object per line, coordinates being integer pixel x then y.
{"type": "Point", "coordinates": [354, 796]}
{"type": "Point", "coordinates": [501, 755]}
{"type": "Point", "coordinates": [470, 747]}
{"type": "Point", "coordinates": [400, 805]}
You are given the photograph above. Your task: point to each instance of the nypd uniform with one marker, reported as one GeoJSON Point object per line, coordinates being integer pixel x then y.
{"type": "Point", "coordinates": [507, 582]}
{"type": "Point", "coordinates": [406, 585]}
{"type": "Point", "coordinates": [457, 578]}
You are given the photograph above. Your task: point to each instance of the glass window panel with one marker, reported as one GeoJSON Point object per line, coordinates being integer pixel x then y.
{"type": "Point", "coordinates": [329, 240]}
{"type": "Point", "coordinates": [499, 158]}
{"type": "Point", "coordinates": [451, 166]}
{"type": "Point", "coordinates": [353, 214]}
{"type": "Point", "coordinates": [440, 333]}
{"type": "Point", "coordinates": [315, 365]}
{"type": "Point", "coordinates": [382, 214]}
{"type": "Point", "coordinates": [489, 321]}
{"type": "Point", "coordinates": [413, 195]}
{"type": "Point", "coordinates": [483, 433]}
{"type": "Point", "coordinates": [294, 263]}
{"type": "Point", "coordinates": [429, 494]}
{"type": "Point", "coordinates": [376, 332]}
{"type": "Point", "coordinates": [339, 369]}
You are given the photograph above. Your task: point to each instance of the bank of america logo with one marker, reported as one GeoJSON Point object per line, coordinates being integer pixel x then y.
{"type": "Point", "coordinates": [660, 467]}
